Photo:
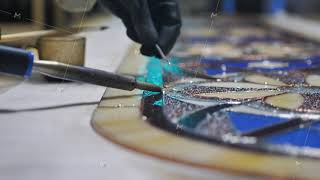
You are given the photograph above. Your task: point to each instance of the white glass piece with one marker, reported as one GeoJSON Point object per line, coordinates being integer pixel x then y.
{"type": "Point", "coordinates": [276, 49]}
{"type": "Point", "coordinates": [268, 65]}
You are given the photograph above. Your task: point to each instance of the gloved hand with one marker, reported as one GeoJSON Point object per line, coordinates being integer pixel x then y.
{"type": "Point", "coordinates": [149, 22]}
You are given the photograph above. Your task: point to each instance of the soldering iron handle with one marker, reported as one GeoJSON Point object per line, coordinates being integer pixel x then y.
{"type": "Point", "coordinates": [20, 62]}
{"type": "Point", "coordinates": [16, 61]}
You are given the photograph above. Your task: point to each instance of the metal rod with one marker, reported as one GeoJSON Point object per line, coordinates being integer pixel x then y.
{"type": "Point", "coordinates": [163, 56]}
{"type": "Point", "coordinates": [184, 70]}
{"type": "Point", "coordinates": [276, 128]}
{"type": "Point", "coordinates": [92, 76]}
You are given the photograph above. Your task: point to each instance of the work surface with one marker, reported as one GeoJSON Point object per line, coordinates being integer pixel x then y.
{"type": "Point", "coordinates": [46, 128]}
{"type": "Point", "coordinates": [59, 143]}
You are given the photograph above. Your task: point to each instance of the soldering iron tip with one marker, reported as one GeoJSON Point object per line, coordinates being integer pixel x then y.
{"type": "Point", "coordinates": [148, 87]}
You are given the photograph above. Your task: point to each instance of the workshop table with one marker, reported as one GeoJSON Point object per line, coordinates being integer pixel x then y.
{"type": "Point", "coordinates": [58, 142]}
{"type": "Point", "coordinates": [45, 130]}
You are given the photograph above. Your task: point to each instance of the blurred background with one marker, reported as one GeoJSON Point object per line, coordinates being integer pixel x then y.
{"type": "Point", "coordinates": [201, 7]}
{"type": "Point", "coordinates": [19, 16]}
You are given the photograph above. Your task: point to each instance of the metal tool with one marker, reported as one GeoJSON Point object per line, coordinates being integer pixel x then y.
{"type": "Point", "coordinates": [20, 62]}
{"type": "Point", "coordinates": [184, 70]}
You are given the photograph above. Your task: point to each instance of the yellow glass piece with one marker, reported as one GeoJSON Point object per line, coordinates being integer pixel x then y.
{"type": "Point", "coordinates": [203, 32]}
{"type": "Point", "coordinates": [247, 31]}
{"type": "Point", "coordinates": [220, 49]}
{"type": "Point", "coordinates": [240, 95]}
{"type": "Point", "coordinates": [237, 85]}
{"type": "Point", "coordinates": [290, 101]}
{"type": "Point", "coordinates": [260, 79]}
{"type": "Point", "coordinates": [276, 50]}
{"type": "Point", "coordinates": [313, 80]}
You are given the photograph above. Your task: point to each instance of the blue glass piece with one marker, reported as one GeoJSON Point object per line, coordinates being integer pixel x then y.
{"type": "Point", "coordinates": [233, 66]}
{"type": "Point", "coordinates": [275, 6]}
{"type": "Point", "coordinates": [237, 64]}
{"type": "Point", "coordinates": [215, 71]}
{"type": "Point", "coordinates": [300, 137]}
{"type": "Point", "coordinates": [315, 60]}
{"type": "Point", "coordinates": [292, 65]}
{"type": "Point", "coordinates": [229, 7]}
{"type": "Point", "coordinates": [154, 75]}
{"type": "Point", "coordinates": [154, 71]}
{"type": "Point", "coordinates": [244, 122]}
{"type": "Point", "coordinates": [158, 103]}
{"type": "Point", "coordinates": [316, 125]}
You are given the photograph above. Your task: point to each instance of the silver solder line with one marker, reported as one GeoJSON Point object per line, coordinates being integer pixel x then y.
{"type": "Point", "coordinates": [163, 56]}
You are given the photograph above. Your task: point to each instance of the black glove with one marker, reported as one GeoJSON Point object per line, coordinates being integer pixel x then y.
{"type": "Point", "coordinates": [149, 22]}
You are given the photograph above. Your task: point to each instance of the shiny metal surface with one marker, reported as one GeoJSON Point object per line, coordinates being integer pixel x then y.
{"type": "Point", "coordinates": [91, 76]}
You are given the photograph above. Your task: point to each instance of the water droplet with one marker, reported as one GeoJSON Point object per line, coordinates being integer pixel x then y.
{"type": "Point", "coordinates": [309, 62]}
{"type": "Point", "coordinates": [224, 68]}
{"type": "Point", "coordinates": [213, 14]}
{"type": "Point", "coordinates": [179, 127]}
{"type": "Point", "coordinates": [144, 118]}
{"type": "Point", "coordinates": [103, 164]}
{"type": "Point", "coordinates": [60, 89]}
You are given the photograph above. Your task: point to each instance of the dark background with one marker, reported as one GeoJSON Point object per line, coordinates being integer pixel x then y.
{"type": "Point", "coordinates": [52, 15]}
